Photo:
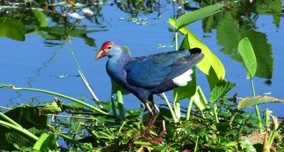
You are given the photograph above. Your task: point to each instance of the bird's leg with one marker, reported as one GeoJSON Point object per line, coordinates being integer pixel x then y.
{"type": "Point", "coordinates": [150, 122]}
{"type": "Point", "coordinates": [147, 132]}
{"type": "Point", "coordinates": [159, 139]}
{"type": "Point", "coordinates": [153, 114]}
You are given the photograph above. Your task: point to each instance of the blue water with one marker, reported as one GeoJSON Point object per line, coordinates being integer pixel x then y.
{"type": "Point", "coordinates": [34, 63]}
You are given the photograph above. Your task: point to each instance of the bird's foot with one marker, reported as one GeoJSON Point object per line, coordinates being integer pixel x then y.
{"type": "Point", "coordinates": [131, 141]}
{"type": "Point", "coordinates": [159, 139]}
{"type": "Point", "coordinates": [148, 136]}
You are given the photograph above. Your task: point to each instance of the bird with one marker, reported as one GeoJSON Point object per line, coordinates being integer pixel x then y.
{"type": "Point", "coordinates": [148, 75]}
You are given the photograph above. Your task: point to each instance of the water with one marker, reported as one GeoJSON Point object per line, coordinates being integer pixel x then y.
{"type": "Point", "coordinates": [36, 63]}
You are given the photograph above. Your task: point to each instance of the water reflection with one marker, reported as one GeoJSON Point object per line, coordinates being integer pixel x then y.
{"type": "Point", "coordinates": [134, 8]}
{"type": "Point", "coordinates": [51, 21]}
{"type": "Point", "coordinates": [231, 30]}
{"type": "Point", "coordinates": [239, 21]}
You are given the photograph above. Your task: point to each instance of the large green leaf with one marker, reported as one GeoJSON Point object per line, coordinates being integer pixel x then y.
{"type": "Point", "coordinates": [12, 29]}
{"type": "Point", "coordinates": [30, 119]}
{"type": "Point", "coordinates": [220, 89]}
{"type": "Point", "coordinates": [190, 17]}
{"type": "Point", "coordinates": [246, 51]}
{"type": "Point", "coordinates": [210, 60]}
{"type": "Point", "coordinates": [251, 101]}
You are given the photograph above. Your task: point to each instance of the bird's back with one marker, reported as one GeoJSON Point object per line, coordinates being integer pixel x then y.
{"type": "Point", "coordinates": [154, 70]}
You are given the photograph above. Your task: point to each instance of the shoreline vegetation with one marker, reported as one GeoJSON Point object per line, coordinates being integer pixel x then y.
{"type": "Point", "coordinates": [219, 123]}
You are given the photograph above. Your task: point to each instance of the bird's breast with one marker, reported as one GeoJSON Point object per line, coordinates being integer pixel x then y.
{"type": "Point", "coordinates": [116, 71]}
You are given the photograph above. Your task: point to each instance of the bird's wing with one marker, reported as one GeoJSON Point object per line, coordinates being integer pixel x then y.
{"type": "Point", "coordinates": [150, 71]}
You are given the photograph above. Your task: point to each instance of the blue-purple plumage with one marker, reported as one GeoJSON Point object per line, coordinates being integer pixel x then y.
{"type": "Point", "coordinates": [147, 75]}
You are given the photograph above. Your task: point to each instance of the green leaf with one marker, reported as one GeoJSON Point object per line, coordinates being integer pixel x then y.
{"type": "Point", "coordinates": [210, 60]}
{"type": "Point", "coordinates": [42, 20]}
{"type": "Point", "coordinates": [251, 101]}
{"type": "Point", "coordinates": [46, 142]}
{"type": "Point", "coordinates": [28, 118]}
{"type": "Point", "coordinates": [127, 50]}
{"type": "Point", "coordinates": [193, 16]}
{"type": "Point", "coordinates": [246, 145]}
{"type": "Point", "coordinates": [247, 53]}
{"type": "Point", "coordinates": [212, 78]}
{"type": "Point", "coordinates": [50, 108]}
{"type": "Point", "coordinates": [220, 89]}
{"type": "Point", "coordinates": [12, 29]}
{"type": "Point", "coordinates": [199, 99]}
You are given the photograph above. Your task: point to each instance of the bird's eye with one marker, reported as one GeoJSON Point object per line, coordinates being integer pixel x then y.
{"type": "Point", "coordinates": [109, 47]}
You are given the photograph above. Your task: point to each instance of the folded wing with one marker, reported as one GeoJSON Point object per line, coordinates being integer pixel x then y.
{"type": "Point", "coordinates": [150, 71]}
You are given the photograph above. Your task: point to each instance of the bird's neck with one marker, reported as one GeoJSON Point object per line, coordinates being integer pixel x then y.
{"type": "Point", "coordinates": [118, 60]}
{"type": "Point", "coordinates": [115, 66]}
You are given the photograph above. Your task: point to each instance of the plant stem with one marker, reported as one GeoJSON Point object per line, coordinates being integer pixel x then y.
{"type": "Point", "coordinates": [9, 120]}
{"type": "Point", "coordinates": [113, 105]}
{"type": "Point", "coordinates": [271, 135]}
{"type": "Point", "coordinates": [176, 40]}
{"type": "Point", "coordinates": [176, 103]}
{"type": "Point", "coordinates": [87, 85]}
{"type": "Point", "coordinates": [177, 106]}
{"type": "Point", "coordinates": [81, 71]}
{"type": "Point", "coordinates": [196, 144]}
{"type": "Point", "coordinates": [256, 108]}
{"type": "Point", "coordinates": [199, 99]}
{"type": "Point", "coordinates": [252, 86]}
{"type": "Point", "coordinates": [64, 136]}
{"type": "Point", "coordinates": [177, 109]}
{"type": "Point", "coordinates": [215, 112]}
{"type": "Point", "coordinates": [143, 143]}
{"type": "Point", "coordinates": [120, 104]}
{"type": "Point", "coordinates": [120, 128]}
{"type": "Point", "coordinates": [19, 128]}
{"type": "Point", "coordinates": [189, 108]}
{"type": "Point", "coordinates": [59, 95]}
{"type": "Point", "coordinates": [170, 107]}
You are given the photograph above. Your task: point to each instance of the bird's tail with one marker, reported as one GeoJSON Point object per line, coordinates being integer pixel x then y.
{"type": "Point", "coordinates": [195, 56]}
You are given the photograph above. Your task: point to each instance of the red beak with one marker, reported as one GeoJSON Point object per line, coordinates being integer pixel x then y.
{"type": "Point", "coordinates": [101, 54]}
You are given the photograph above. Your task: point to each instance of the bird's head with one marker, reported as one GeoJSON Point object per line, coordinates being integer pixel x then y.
{"type": "Point", "coordinates": [109, 49]}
